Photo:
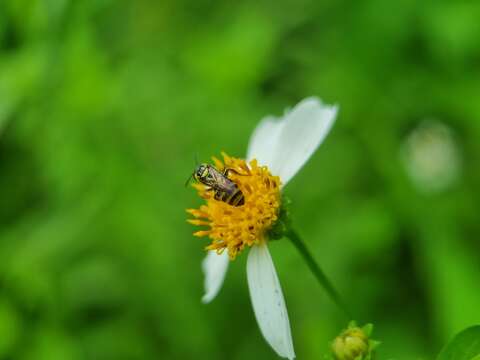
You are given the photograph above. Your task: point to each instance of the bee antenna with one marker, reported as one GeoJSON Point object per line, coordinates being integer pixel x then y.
{"type": "Point", "coordinates": [188, 180]}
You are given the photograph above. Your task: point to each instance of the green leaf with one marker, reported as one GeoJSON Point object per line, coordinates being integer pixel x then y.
{"type": "Point", "coordinates": [464, 346]}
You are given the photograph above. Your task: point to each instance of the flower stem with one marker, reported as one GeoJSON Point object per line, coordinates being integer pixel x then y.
{"type": "Point", "coordinates": [317, 271]}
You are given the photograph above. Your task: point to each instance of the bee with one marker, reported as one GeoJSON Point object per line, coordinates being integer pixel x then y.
{"type": "Point", "coordinates": [224, 189]}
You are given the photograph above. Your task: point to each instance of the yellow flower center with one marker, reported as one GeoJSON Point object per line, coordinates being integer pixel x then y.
{"type": "Point", "coordinates": [234, 227]}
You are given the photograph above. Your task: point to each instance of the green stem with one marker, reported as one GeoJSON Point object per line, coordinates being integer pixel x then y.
{"type": "Point", "coordinates": [317, 271]}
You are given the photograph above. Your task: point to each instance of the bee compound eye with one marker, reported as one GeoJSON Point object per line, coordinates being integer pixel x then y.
{"type": "Point", "coordinates": [204, 171]}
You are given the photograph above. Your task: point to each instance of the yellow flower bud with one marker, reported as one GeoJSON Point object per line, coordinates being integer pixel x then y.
{"type": "Point", "coordinates": [351, 344]}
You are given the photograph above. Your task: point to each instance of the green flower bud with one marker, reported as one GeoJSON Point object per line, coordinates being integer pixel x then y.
{"type": "Point", "coordinates": [353, 343]}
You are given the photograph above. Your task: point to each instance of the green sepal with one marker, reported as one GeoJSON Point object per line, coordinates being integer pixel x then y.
{"type": "Point", "coordinates": [367, 329]}
{"type": "Point", "coordinates": [283, 225]}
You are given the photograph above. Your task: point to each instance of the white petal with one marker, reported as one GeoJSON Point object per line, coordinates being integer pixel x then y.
{"type": "Point", "coordinates": [264, 140]}
{"type": "Point", "coordinates": [214, 267]}
{"type": "Point", "coordinates": [267, 301]}
{"type": "Point", "coordinates": [286, 145]}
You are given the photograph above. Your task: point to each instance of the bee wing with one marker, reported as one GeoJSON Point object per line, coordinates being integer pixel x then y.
{"type": "Point", "coordinates": [222, 183]}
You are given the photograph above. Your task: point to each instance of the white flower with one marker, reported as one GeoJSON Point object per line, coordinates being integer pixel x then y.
{"type": "Point", "coordinates": [283, 145]}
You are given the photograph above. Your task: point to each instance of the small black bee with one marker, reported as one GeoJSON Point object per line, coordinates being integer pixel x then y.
{"type": "Point", "coordinates": [224, 189]}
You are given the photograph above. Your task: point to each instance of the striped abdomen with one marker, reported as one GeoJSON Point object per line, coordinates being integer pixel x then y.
{"type": "Point", "coordinates": [232, 197]}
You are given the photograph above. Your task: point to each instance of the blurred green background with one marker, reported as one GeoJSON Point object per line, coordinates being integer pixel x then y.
{"type": "Point", "coordinates": [103, 106]}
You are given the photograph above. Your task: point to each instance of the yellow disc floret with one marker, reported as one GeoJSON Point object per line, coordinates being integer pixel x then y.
{"type": "Point", "coordinates": [230, 227]}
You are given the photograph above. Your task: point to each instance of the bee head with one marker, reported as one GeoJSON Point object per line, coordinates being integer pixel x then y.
{"type": "Point", "coordinates": [201, 172]}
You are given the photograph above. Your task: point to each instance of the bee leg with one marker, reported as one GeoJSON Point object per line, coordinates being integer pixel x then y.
{"type": "Point", "coordinates": [208, 192]}
{"type": "Point", "coordinates": [229, 170]}
{"type": "Point", "coordinates": [218, 196]}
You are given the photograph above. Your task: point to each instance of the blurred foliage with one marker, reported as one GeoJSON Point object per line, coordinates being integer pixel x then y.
{"type": "Point", "coordinates": [464, 346]}
{"type": "Point", "coordinates": [103, 106]}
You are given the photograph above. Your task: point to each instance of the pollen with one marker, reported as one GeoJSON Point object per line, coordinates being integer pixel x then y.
{"type": "Point", "coordinates": [232, 228]}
